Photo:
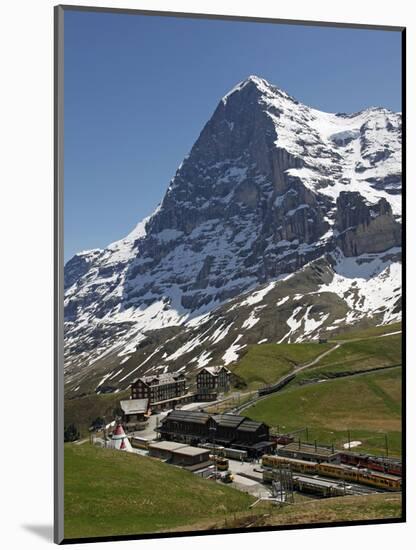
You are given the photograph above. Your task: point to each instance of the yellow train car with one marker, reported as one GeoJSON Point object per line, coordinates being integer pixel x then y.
{"type": "Point", "coordinates": [380, 480]}
{"type": "Point", "coordinates": [364, 477]}
{"type": "Point", "coordinates": [297, 465]}
{"type": "Point", "coordinates": [386, 481]}
{"type": "Point", "coordinates": [338, 471]}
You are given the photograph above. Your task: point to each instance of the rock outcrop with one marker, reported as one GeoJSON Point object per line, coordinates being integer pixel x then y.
{"type": "Point", "coordinates": [365, 228]}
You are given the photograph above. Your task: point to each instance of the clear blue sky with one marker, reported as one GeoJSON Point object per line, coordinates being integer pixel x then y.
{"type": "Point", "coordinates": [139, 89]}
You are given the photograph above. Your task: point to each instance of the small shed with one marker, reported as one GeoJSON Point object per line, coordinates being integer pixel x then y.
{"type": "Point", "coordinates": [164, 449]}
{"type": "Point", "coordinates": [178, 453]}
{"type": "Point", "coordinates": [188, 456]}
{"type": "Point", "coordinates": [135, 413]}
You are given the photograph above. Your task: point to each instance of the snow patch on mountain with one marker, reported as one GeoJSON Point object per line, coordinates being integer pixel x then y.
{"type": "Point", "coordinates": [220, 333]}
{"type": "Point", "coordinates": [257, 202]}
{"type": "Point", "coordinates": [251, 320]}
{"type": "Point", "coordinates": [293, 323]}
{"type": "Point", "coordinates": [368, 285]}
{"type": "Point", "coordinates": [231, 354]}
{"type": "Point", "coordinates": [202, 360]}
{"type": "Point", "coordinates": [258, 296]}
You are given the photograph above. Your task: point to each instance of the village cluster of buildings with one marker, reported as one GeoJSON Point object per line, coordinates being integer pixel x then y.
{"type": "Point", "coordinates": [183, 433]}
{"type": "Point", "coordinates": [231, 431]}
{"type": "Point", "coordinates": [202, 443]}
{"type": "Point", "coordinates": [167, 391]}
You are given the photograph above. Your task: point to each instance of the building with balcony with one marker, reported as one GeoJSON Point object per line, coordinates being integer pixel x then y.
{"type": "Point", "coordinates": [163, 390]}
{"type": "Point", "coordinates": [212, 381]}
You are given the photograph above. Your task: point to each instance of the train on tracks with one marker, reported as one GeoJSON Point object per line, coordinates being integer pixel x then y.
{"type": "Point", "coordinates": [318, 487]}
{"type": "Point", "coordinates": [344, 472]}
{"type": "Point", "coordinates": [276, 387]}
{"type": "Point", "coordinates": [235, 454]}
{"type": "Point", "coordinates": [386, 465]}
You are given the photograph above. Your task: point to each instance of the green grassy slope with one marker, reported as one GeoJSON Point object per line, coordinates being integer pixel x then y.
{"type": "Point", "coordinates": [81, 411]}
{"type": "Point", "coordinates": [357, 356]}
{"type": "Point", "coordinates": [109, 492]}
{"type": "Point", "coordinates": [266, 363]}
{"type": "Point", "coordinates": [342, 509]}
{"type": "Point", "coordinates": [368, 404]}
{"type": "Point", "coordinates": [369, 332]}
{"type": "Point", "coordinates": [349, 508]}
{"type": "Point", "coordinates": [113, 493]}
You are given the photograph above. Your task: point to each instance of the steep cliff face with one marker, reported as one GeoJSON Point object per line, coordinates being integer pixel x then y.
{"type": "Point", "coordinates": [270, 186]}
{"type": "Point", "coordinates": [365, 227]}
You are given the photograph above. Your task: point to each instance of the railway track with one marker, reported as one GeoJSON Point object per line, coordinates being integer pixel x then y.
{"type": "Point", "coordinates": [280, 386]}
{"type": "Point", "coordinates": [354, 488]}
{"type": "Point", "coordinates": [281, 382]}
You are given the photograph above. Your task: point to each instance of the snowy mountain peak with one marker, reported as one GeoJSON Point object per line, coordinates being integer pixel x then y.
{"type": "Point", "coordinates": [258, 80]}
{"type": "Point", "coordinates": [260, 83]}
{"type": "Point", "coordinates": [260, 86]}
{"type": "Point", "coordinates": [270, 187]}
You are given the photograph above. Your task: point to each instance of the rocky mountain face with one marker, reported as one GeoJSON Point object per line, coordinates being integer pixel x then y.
{"type": "Point", "coordinates": [279, 225]}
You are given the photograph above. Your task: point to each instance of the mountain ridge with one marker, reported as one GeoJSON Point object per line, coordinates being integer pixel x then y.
{"type": "Point", "coordinates": [269, 187]}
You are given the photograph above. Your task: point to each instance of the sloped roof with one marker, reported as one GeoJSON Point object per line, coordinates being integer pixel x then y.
{"type": "Point", "coordinates": [188, 416]}
{"type": "Point", "coordinates": [260, 445]}
{"type": "Point", "coordinates": [166, 378]}
{"type": "Point", "coordinates": [166, 445]}
{"type": "Point", "coordinates": [191, 451]}
{"type": "Point", "coordinates": [119, 440]}
{"type": "Point", "coordinates": [214, 370]}
{"type": "Point", "coordinates": [250, 425]}
{"type": "Point", "coordinates": [134, 406]}
{"type": "Point", "coordinates": [306, 448]}
{"type": "Point", "coordinates": [228, 420]}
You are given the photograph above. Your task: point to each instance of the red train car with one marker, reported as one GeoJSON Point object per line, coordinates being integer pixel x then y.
{"type": "Point", "coordinates": [282, 439]}
{"type": "Point", "coordinates": [388, 466]}
{"type": "Point", "coordinates": [354, 459]}
{"type": "Point", "coordinates": [376, 463]}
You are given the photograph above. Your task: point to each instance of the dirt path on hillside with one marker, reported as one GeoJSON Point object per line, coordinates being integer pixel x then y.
{"type": "Point", "coordinates": [367, 338]}
{"type": "Point", "coordinates": [295, 371]}
{"type": "Point", "coordinates": [316, 360]}
{"type": "Point", "coordinates": [312, 363]}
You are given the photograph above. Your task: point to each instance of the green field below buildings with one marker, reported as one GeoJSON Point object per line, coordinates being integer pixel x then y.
{"type": "Point", "coordinates": [369, 405]}
{"type": "Point", "coordinates": [264, 364]}
{"type": "Point", "coordinates": [110, 492]}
